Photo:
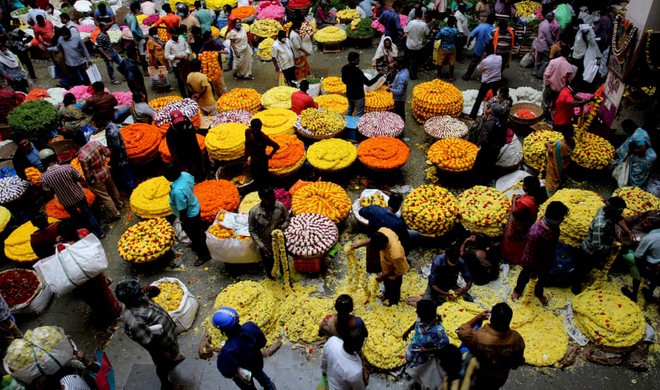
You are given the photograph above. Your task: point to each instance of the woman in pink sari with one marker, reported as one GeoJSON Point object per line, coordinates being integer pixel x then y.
{"type": "Point", "coordinates": [524, 210]}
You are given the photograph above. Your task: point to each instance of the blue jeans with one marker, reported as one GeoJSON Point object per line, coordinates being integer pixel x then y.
{"type": "Point", "coordinates": [83, 214]}
{"type": "Point", "coordinates": [116, 58]}
{"type": "Point", "coordinates": [357, 106]}
{"type": "Point", "coordinates": [124, 177]}
{"type": "Point", "coordinates": [121, 114]}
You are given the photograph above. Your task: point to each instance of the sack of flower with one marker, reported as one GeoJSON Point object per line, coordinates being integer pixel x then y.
{"type": "Point", "coordinates": [24, 291]}
{"type": "Point", "coordinates": [179, 303]}
{"type": "Point", "coordinates": [234, 246]}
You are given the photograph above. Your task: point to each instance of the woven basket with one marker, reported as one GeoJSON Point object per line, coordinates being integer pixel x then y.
{"type": "Point", "coordinates": [535, 108]}
{"type": "Point", "coordinates": [302, 131]}
{"type": "Point", "coordinates": [233, 169]}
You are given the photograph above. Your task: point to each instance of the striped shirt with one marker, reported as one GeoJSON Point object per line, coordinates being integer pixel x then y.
{"type": "Point", "coordinates": [92, 161]}
{"type": "Point", "coordinates": [503, 43]}
{"type": "Point", "coordinates": [74, 382]}
{"type": "Point", "coordinates": [64, 181]}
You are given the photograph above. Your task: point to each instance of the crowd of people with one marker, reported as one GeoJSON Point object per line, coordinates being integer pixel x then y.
{"type": "Point", "coordinates": [568, 55]}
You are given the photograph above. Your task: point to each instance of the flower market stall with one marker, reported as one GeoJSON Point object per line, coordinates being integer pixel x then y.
{"type": "Point", "coordinates": [319, 123]}
{"type": "Point", "coordinates": [331, 155]}
{"type": "Point", "coordinates": [431, 210]}
{"type": "Point", "coordinates": [146, 241]}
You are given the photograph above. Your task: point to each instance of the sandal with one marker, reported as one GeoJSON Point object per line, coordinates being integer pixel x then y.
{"type": "Point", "coordinates": [199, 262]}
{"type": "Point", "coordinates": [115, 82]}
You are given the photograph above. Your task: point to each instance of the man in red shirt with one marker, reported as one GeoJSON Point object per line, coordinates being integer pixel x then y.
{"type": "Point", "coordinates": [566, 101]}
{"type": "Point", "coordinates": [300, 100]}
{"type": "Point", "coordinates": [43, 32]}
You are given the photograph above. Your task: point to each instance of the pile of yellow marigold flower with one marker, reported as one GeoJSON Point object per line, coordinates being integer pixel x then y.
{"type": "Point", "coordinates": [151, 198]}
{"type": "Point", "coordinates": [333, 102]}
{"type": "Point", "coordinates": [247, 99]}
{"type": "Point", "coordinates": [226, 142]}
{"type": "Point", "coordinates": [483, 210]}
{"type": "Point", "coordinates": [637, 200]}
{"type": "Point", "coordinates": [431, 210]}
{"type": "Point", "coordinates": [278, 97]}
{"type": "Point", "coordinates": [535, 151]}
{"type": "Point", "coordinates": [276, 121]}
{"type": "Point", "coordinates": [330, 34]}
{"type": "Point", "coordinates": [333, 85]}
{"type": "Point", "coordinates": [324, 198]}
{"type": "Point", "coordinates": [592, 151]}
{"type": "Point", "coordinates": [582, 206]}
{"type": "Point", "coordinates": [435, 98]}
{"type": "Point", "coordinates": [378, 100]}
{"type": "Point", "coordinates": [17, 245]}
{"type": "Point", "coordinates": [453, 154]}
{"type": "Point", "coordinates": [170, 296]}
{"type": "Point", "coordinates": [331, 154]}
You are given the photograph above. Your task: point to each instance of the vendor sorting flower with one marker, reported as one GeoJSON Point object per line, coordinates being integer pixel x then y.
{"type": "Point", "coordinates": [255, 149]}
{"type": "Point", "coordinates": [444, 276]}
{"type": "Point", "coordinates": [263, 218]}
{"type": "Point", "coordinates": [183, 146]}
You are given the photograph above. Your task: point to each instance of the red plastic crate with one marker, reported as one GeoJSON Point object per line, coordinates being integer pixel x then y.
{"type": "Point", "coordinates": [311, 266]}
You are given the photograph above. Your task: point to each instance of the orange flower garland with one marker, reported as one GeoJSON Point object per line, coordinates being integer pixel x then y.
{"type": "Point", "coordinates": [210, 66]}
{"type": "Point", "coordinates": [383, 153]}
{"type": "Point", "coordinates": [324, 198]}
{"type": "Point", "coordinates": [165, 151]}
{"type": "Point", "coordinates": [141, 141]}
{"type": "Point", "coordinates": [247, 99]}
{"type": "Point", "coordinates": [435, 98]}
{"type": "Point", "coordinates": [159, 103]}
{"type": "Point", "coordinates": [289, 157]}
{"type": "Point", "coordinates": [54, 209]}
{"type": "Point", "coordinates": [243, 12]}
{"type": "Point", "coordinates": [216, 195]}
{"type": "Point", "coordinates": [36, 94]}
{"type": "Point", "coordinates": [453, 154]}
{"type": "Point", "coordinates": [378, 100]}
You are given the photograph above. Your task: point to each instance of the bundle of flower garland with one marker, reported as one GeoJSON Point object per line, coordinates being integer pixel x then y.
{"type": "Point", "coordinates": [592, 151]}
{"type": "Point", "coordinates": [247, 99]}
{"type": "Point", "coordinates": [330, 34]}
{"type": "Point", "coordinates": [333, 102]}
{"type": "Point", "coordinates": [289, 157]}
{"type": "Point", "coordinates": [387, 350]}
{"type": "Point", "coordinates": [380, 123]}
{"type": "Point", "coordinates": [5, 216]}
{"type": "Point", "coordinates": [582, 206]}
{"type": "Point", "coordinates": [435, 98]}
{"type": "Point", "coordinates": [535, 151]}
{"type": "Point", "coordinates": [278, 97]}
{"type": "Point", "coordinates": [164, 150]}
{"type": "Point", "coordinates": [324, 198]}
{"type": "Point", "coordinates": [483, 210]}
{"type": "Point", "coordinates": [12, 188]}
{"type": "Point", "coordinates": [637, 200]}
{"type": "Point", "coordinates": [158, 103]}
{"type": "Point", "coordinates": [36, 94]}
{"type": "Point", "coordinates": [320, 122]}
{"type": "Point", "coordinates": [268, 10]}
{"type": "Point", "coordinates": [383, 153]}
{"type": "Point", "coordinates": [593, 108]}
{"type": "Point", "coordinates": [453, 154]}
{"type": "Point", "coordinates": [216, 195]}
{"type": "Point", "coordinates": [243, 12]}
{"type": "Point", "coordinates": [333, 85]}
{"type": "Point", "coordinates": [146, 241]}
{"type": "Point", "coordinates": [188, 107]}
{"type": "Point", "coordinates": [444, 126]}
{"type": "Point", "coordinates": [233, 116]}
{"type": "Point", "coordinates": [249, 201]}
{"type": "Point", "coordinates": [17, 245]}
{"type": "Point", "coordinates": [170, 296]}
{"type": "Point", "coordinates": [265, 28]}
{"type": "Point", "coordinates": [431, 210]}
{"type": "Point", "coordinates": [226, 142]}
{"type": "Point", "coordinates": [277, 121]}
{"type": "Point", "coordinates": [222, 232]}
{"type": "Point", "coordinates": [331, 154]}
{"type": "Point", "coordinates": [378, 100]}
{"type": "Point", "coordinates": [141, 142]}
{"type": "Point", "coordinates": [264, 50]}
{"type": "Point", "coordinates": [150, 199]}
{"type": "Point", "coordinates": [54, 208]}
{"type": "Point", "coordinates": [348, 14]}
{"type": "Point", "coordinates": [210, 65]}
{"type": "Point", "coordinates": [310, 235]}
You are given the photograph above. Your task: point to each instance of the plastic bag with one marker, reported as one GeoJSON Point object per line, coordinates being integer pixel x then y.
{"type": "Point", "coordinates": [180, 233]}
{"type": "Point", "coordinates": [510, 154]}
{"type": "Point", "coordinates": [622, 173]}
{"type": "Point", "coordinates": [184, 315]}
{"type": "Point", "coordinates": [590, 71]}
{"type": "Point", "coordinates": [527, 61]}
{"type": "Point", "coordinates": [232, 250]}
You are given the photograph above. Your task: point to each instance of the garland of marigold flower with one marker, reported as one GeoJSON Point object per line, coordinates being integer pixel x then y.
{"type": "Point", "coordinates": [54, 208]}
{"type": "Point", "coordinates": [383, 152]}
{"type": "Point", "coordinates": [141, 141]}
{"type": "Point", "coordinates": [291, 151]}
{"type": "Point", "coordinates": [210, 66]}
{"type": "Point", "coordinates": [216, 195]}
{"type": "Point", "coordinates": [158, 103]}
{"type": "Point", "coordinates": [17, 245]}
{"type": "Point", "coordinates": [247, 99]}
{"type": "Point", "coordinates": [280, 258]}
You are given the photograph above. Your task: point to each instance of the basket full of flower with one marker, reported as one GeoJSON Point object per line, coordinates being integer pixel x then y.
{"type": "Point", "coordinates": [232, 116]}
{"type": "Point", "coordinates": [333, 85]}
{"type": "Point", "coordinates": [226, 142]}
{"type": "Point", "coordinates": [12, 188]}
{"type": "Point", "coordinates": [158, 103]}
{"type": "Point", "coordinates": [179, 303]}
{"type": "Point", "coordinates": [592, 151]}
{"type": "Point", "coordinates": [146, 241]}
{"type": "Point", "coordinates": [330, 35]}
{"type": "Point", "coordinates": [535, 151]}
{"type": "Point", "coordinates": [331, 155]}
{"type": "Point", "coordinates": [431, 210]}
{"type": "Point", "coordinates": [445, 126]}
{"type": "Point", "coordinates": [310, 236]}
{"type": "Point", "coordinates": [333, 102]}
{"type": "Point", "coordinates": [383, 153]}
{"type": "Point", "coordinates": [247, 99]}
{"type": "Point", "coordinates": [188, 107]}
{"type": "Point", "coordinates": [278, 97]}
{"type": "Point", "coordinates": [17, 244]}
{"type": "Point", "coordinates": [637, 200]}
{"type": "Point", "coordinates": [277, 121]}
{"type": "Point", "coordinates": [378, 100]}
{"type": "Point", "coordinates": [435, 98]}
{"type": "Point", "coordinates": [582, 207]}
{"type": "Point", "coordinates": [319, 124]}
{"type": "Point", "coordinates": [380, 123]}
{"type": "Point", "coordinates": [54, 208]}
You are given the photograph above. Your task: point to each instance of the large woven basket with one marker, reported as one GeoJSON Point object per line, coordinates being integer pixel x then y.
{"type": "Point", "coordinates": [535, 108]}
{"type": "Point", "coordinates": [301, 131]}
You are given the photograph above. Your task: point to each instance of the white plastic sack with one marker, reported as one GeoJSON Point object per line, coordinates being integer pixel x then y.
{"type": "Point", "coordinates": [93, 74]}
{"type": "Point", "coordinates": [365, 194]}
{"type": "Point", "coordinates": [314, 90]}
{"type": "Point", "coordinates": [184, 315]}
{"type": "Point", "coordinates": [371, 73]}
{"type": "Point", "coordinates": [38, 303]}
{"type": "Point", "coordinates": [510, 154]}
{"type": "Point", "coordinates": [232, 250]}
{"type": "Point", "coordinates": [54, 361]}
{"type": "Point", "coordinates": [507, 181]}
{"type": "Point", "coordinates": [180, 233]}
{"type": "Point", "coordinates": [76, 264]}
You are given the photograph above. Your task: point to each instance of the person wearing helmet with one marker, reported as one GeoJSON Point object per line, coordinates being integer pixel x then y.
{"type": "Point", "coordinates": [65, 181]}
{"type": "Point", "coordinates": [242, 350]}
{"type": "Point", "coordinates": [148, 324]}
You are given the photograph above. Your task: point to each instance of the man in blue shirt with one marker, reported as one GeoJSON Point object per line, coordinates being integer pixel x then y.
{"type": "Point", "coordinates": [444, 275]}
{"type": "Point", "coordinates": [390, 19]}
{"type": "Point", "coordinates": [447, 51]}
{"type": "Point", "coordinates": [380, 217]}
{"type": "Point", "coordinates": [185, 206]}
{"type": "Point", "coordinates": [482, 34]}
{"type": "Point", "coordinates": [367, 6]}
{"type": "Point", "coordinates": [399, 87]}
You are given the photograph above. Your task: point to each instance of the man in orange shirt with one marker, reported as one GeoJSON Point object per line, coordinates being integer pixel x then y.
{"type": "Point", "coordinates": [43, 32]}
{"type": "Point", "coordinates": [171, 20]}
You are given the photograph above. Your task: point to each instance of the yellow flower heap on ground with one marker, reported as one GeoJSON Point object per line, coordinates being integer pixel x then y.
{"type": "Point", "coordinates": [331, 154]}
{"type": "Point", "coordinates": [151, 198]}
{"type": "Point", "coordinates": [453, 154]}
{"type": "Point", "coordinates": [247, 99]}
{"type": "Point", "coordinates": [348, 14]}
{"type": "Point", "coordinates": [435, 98]}
{"type": "Point", "coordinates": [334, 85]}
{"type": "Point", "coordinates": [277, 121]}
{"type": "Point", "coordinates": [278, 97]}
{"type": "Point", "coordinates": [226, 141]}
{"type": "Point", "coordinates": [301, 314]}
{"type": "Point", "coordinates": [5, 216]}
{"type": "Point", "coordinates": [265, 49]}
{"type": "Point", "coordinates": [320, 122]}
{"type": "Point", "coordinates": [535, 152]}
{"type": "Point", "coordinates": [582, 206]}
{"type": "Point", "coordinates": [146, 241]}
{"type": "Point", "coordinates": [637, 200]}
{"type": "Point", "coordinates": [455, 313]}
{"type": "Point", "coordinates": [170, 296]}
{"type": "Point", "coordinates": [385, 347]}
{"type": "Point", "coordinates": [431, 210]}
{"type": "Point", "coordinates": [330, 34]}
{"type": "Point", "coordinates": [333, 102]}
{"type": "Point", "coordinates": [159, 103]}
{"type": "Point", "coordinates": [592, 151]}
{"type": "Point", "coordinates": [378, 100]}
{"type": "Point", "coordinates": [264, 28]}
{"type": "Point", "coordinates": [249, 201]}
{"type": "Point", "coordinates": [324, 198]}
{"type": "Point", "coordinates": [483, 210]}
{"type": "Point", "coordinates": [17, 245]}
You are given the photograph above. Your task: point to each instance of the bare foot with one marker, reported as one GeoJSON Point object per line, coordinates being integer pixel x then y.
{"type": "Point", "coordinates": [515, 296]}
{"type": "Point", "coordinates": [544, 300]}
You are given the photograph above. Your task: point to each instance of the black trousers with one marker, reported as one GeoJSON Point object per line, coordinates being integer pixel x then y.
{"type": "Point", "coordinates": [24, 57]}
{"type": "Point", "coordinates": [290, 75]}
{"type": "Point", "coordinates": [483, 90]}
{"type": "Point", "coordinates": [473, 65]}
{"type": "Point", "coordinates": [523, 279]}
{"type": "Point", "coordinates": [400, 109]}
{"type": "Point", "coordinates": [392, 290]}
{"type": "Point", "coordinates": [484, 165]}
{"type": "Point", "coordinates": [415, 58]}
{"type": "Point", "coordinates": [194, 228]}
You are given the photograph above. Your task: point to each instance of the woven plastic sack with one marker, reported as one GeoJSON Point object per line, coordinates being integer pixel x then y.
{"type": "Point", "coordinates": [231, 250]}
{"type": "Point", "coordinates": [184, 315]}
{"type": "Point", "coordinates": [38, 303]}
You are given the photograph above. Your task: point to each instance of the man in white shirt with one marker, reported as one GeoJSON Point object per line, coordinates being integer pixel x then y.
{"type": "Point", "coordinates": [177, 51]}
{"type": "Point", "coordinates": [34, 12]}
{"type": "Point", "coordinates": [353, 5]}
{"type": "Point", "coordinates": [491, 77]}
{"type": "Point", "coordinates": [341, 363]}
{"type": "Point", "coordinates": [416, 31]}
{"type": "Point", "coordinates": [283, 59]}
{"type": "Point", "coordinates": [463, 29]}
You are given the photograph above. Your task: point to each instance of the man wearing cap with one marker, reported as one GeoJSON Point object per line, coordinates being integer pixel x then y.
{"type": "Point", "coordinates": [182, 143]}
{"type": "Point", "coordinates": [240, 358]}
{"type": "Point", "coordinates": [148, 324]}
{"type": "Point", "coordinates": [256, 143]}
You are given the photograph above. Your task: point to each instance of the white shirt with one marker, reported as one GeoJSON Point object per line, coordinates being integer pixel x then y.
{"type": "Point", "coordinates": [417, 30]}
{"type": "Point", "coordinates": [283, 54]}
{"type": "Point", "coordinates": [34, 12]}
{"type": "Point", "coordinates": [297, 44]}
{"type": "Point", "coordinates": [361, 12]}
{"type": "Point", "coordinates": [148, 8]}
{"type": "Point", "coordinates": [490, 68]}
{"type": "Point", "coordinates": [462, 23]}
{"type": "Point", "coordinates": [175, 49]}
{"type": "Point", "coordinates": [344, 371]}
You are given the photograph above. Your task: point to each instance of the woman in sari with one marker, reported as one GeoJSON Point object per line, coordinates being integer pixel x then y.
{"type": "Point", "coordinates": [385, 57]}
{"type": "Point", "coordinates": [240, 46]}
{"type": "Point", "coordinates": [10, 68]}
{"type": "Point", "coordinates": [72, 117]}
{"type": "Point", "coordinates": [343, 322]}
{"type": "Point", "coordinates": [302, 69]}
{"type": "Point", "coordinates": [637, 148]}
{"type": "Point", "coordinates": [559, 158]}
{"type": "Point", "coordinates": [524, 211]}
